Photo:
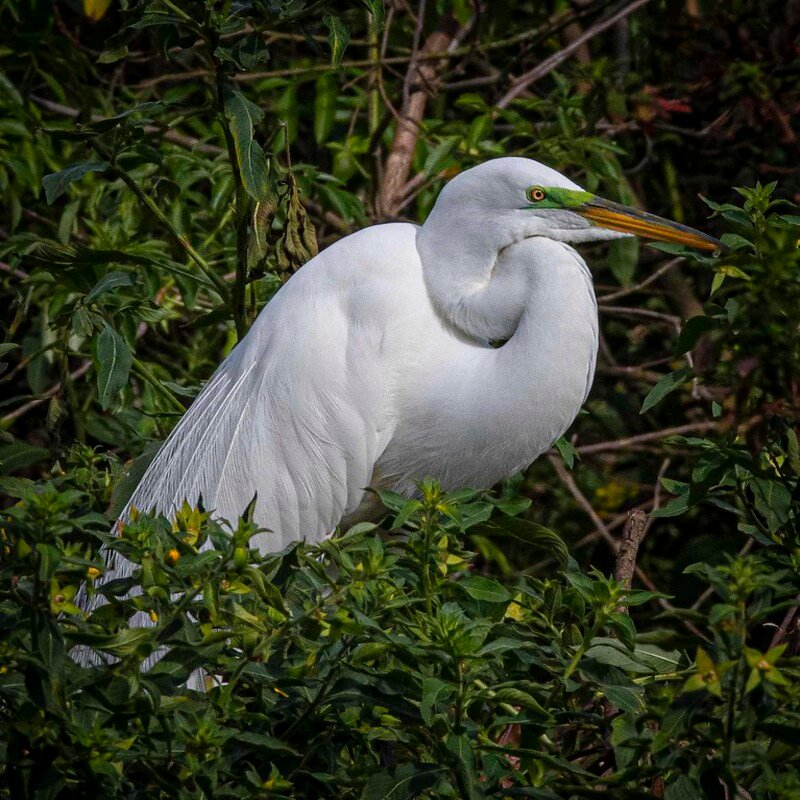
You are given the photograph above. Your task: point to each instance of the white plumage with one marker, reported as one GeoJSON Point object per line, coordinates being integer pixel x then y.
{"type": "Point", "coordinates": [374, 366]}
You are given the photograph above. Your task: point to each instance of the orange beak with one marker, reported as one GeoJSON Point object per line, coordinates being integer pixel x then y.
{"type": "Point", "coordinates": [616, 217]}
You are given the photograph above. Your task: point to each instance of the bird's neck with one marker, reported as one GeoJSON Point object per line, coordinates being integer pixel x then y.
{"type": "Point", "coordinates": [512, 402]}
{"type": "Point", "coordinates": [469, 281]}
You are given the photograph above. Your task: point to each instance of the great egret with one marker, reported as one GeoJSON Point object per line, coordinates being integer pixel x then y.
{"type": "Point", "coordinates": [374, 366]}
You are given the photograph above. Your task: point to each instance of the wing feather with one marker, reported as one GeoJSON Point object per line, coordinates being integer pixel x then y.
{"type": "Point", "coordinates": [298, 414]}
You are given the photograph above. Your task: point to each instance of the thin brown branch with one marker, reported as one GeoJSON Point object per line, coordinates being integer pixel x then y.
{"type": "Point", "coordinates": [601, 526]}
{"type": "Point", "coordinates": [783, 628]}
{"type": "Point", "coordinates": [17, 273]}
{"type": "Point", "coordinates": [52, 391]}
{"type": "Point", "coordinates": [646, 313]}
{"type": "Point", "coordinates": [664, 268]}
{"type": "Point", "coordinates": [175, 137]}
{"type": "Point", "coordinates": [552, 62]}
{"type": "Point", "coordinates": [633, 534]}
{"type": "Point", "coordinates": [628, 441]}
{"type": "Point", "coordinates": [421, 75]}
{"type": "Point", "coordinates": [631, 373]}
{"type": "Point", "coordinates": [566, 478]}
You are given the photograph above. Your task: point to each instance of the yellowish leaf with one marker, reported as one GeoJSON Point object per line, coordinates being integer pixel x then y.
{"type": "Point", "coordinates": [95, 9]}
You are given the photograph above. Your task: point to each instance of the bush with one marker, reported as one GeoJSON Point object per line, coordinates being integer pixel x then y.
{"type": "Point", "coordinates": [374, 665]}
{"type": "Point", "coordinates": [457, 650]}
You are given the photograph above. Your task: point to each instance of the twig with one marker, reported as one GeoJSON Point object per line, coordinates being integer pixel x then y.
{"type": "Point", "coordinates": [580, 498]}
{"type": "Point", "coordinates": [625, 311]}
{"type": "Point", "coordinates": [17, 273]}
{"type": "Point", "coordinates": [170, 135]}
{"type": "Point", "coordinates": [412, 67]}
{"type": "Point", "coordinates": [783, 629]}
{"type": "Point", "coordinates": [357, 63]}
{"type": "Point", "coordinates": [633, 534]}
{"type": "Point", "coordinates": [607, 298]}
{"type": "Point", "coordinates": [555, 60]}
{"type": "Point", "coordinates": [53, 390]}
{"type": "Point", "coordinates": [628, 441]}
{"type": "Point", "coordinates": [398, 162]}
{"type": "Point", "coordinates": [632, 373]}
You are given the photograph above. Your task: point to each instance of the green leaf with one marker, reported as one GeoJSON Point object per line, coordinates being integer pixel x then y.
{"type": "Point", "coordinates": [49, 559]}
{"type": "Point", "coordinates": [674, 508]}
{"type": "Point", "coordinates": [567, 450]}
{"type": "Point", "coordinates": [49, 647]}
{"type": "Point", "coordinates": [684, 788]}
{"type": "Point", "coordinates": [115, 52]}
{"type": "Point", "coordinates": [19, 455]}
{"type": "Point", "coordinates": [531, 533]}
{"type": "Point", "coordinates": [793, 451]}
{"type": "Point", "coordinates": [518, 697]}
{"type": "Point", "coordinates": [7, 347]}
{"type": "Point", "coordinates": [439, 155]}
{"type": "Point", "coordinates": [735, 242]}
{"type": "Point", "coordinates": [243, 116]}
{"type": "Point", "coordinates": [338, 37]}
{"type": "Point", "coordinates": [116, 279]}
{"type": "Point", "coordinates": [432, 690]}
{"type": "Point", "coordinates": [691, 332]}
{"type": "Point", "coordinates": [114, 359]}
{"type": "Point", "coordinates": [669, 383]}
{"type": "Point", "coordinates": [627, 698]}
{"type": "Point", "coordinates": [326, 92]}
{"type": "Point", "coordinates": [481, 588]}
{"type": "Point", "coordinates": [378, 11]}
{"type": "Point", "coordinates": [460, 746]}
{"type": "Point", "coordinates": [623, 256]}
{"type": "Point", "coordinates": [644, 658]}
{"type": "Point", "coordinates": [56, 183]}
{"type": "Point", "coordinates": [402, 782]}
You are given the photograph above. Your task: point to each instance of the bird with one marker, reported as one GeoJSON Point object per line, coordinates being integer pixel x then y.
{"type": "Point", "coordinates": [459, 349]}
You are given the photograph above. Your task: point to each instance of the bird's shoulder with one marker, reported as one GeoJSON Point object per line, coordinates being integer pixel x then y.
{"type": "Point", "coordinates": [363, 260]}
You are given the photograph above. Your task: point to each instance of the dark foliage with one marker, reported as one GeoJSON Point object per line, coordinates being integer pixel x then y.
{"type": "Point", "coordinates": [165, 166]}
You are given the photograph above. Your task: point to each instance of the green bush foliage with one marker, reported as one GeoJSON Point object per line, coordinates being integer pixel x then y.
{"type": "Point", "coordinates": [375, 665]}
{"type": "Point", "coordinates": [165, 167]}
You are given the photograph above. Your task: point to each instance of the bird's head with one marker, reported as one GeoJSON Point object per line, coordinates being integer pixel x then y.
{"type": "Point", "coordinates": [524, 198]}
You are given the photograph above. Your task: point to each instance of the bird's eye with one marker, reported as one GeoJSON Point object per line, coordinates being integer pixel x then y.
{"type": "Point", "coordinates": [536, 194]}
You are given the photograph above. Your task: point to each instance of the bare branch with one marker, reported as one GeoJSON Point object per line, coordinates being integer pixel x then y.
{"type": "Point", "coordinates": [421, 74]}
{"type": "Point", "coordinates": [555, 60]}
{"type": "Point", "coordinates": [628, 441]}
{"type": "Point", "coordinates": [632, 536]}
{"type": "Point", "coordinates": [580, 498]}
{"type": "Point", "coordinates": [52, 391]}
{"type": "Point", "coordinates": [607, 298]}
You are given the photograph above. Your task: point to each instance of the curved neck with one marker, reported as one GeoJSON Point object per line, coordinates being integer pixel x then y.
{"type": "Point", "coordinates": [503, 407]}
{"type": "Point", "coordinates": [469, 281]}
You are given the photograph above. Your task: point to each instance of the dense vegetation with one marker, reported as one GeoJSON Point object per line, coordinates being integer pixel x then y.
{"type": "Point", "coordinates": [165, 167]}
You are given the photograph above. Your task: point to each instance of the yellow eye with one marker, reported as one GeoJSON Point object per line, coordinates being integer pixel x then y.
{"type": "Point", "coordinates": [536, 194]}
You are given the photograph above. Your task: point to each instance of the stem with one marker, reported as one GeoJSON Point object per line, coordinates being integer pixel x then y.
{"type": "Point", "coordinates": [427, 541]}
{"type": "Point", "coordinates": [74, 407]}
{"type": "Point", "coordinates": [459, 712]}
{"type": "Point", "coordinates": [374, 108]}
{"type": "Point", "coordinates": [148, 201]}
{"type": "Point", "coordinates": [144, 372]}
{"type": "Point", "coordinates": [238, 304]}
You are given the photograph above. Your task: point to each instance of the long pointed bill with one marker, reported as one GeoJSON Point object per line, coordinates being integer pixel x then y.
{"type": "Point", "coordinates": [616, 217]}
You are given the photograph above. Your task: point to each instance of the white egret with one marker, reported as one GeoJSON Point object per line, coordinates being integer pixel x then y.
{"type": "Point", "coordinates": [374, 366]}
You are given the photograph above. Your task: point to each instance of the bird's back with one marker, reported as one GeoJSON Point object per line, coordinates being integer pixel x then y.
{"type": "Point", "coordinates": [299, 412]}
